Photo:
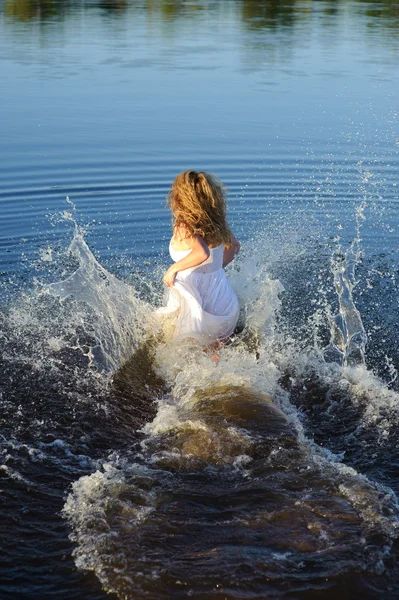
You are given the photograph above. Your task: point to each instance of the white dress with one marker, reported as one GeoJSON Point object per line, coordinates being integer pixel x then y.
{"type": "Point", "coordinates": [202, 299]}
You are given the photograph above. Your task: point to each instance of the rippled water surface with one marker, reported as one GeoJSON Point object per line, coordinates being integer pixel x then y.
{"type": "Point", "coordinates": [136, 468]}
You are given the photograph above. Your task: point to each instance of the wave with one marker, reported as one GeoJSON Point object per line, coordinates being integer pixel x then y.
{"type": "Point", "coordinates": [250, 475]}
{"type": "Point", "coordinates": [226, 479]}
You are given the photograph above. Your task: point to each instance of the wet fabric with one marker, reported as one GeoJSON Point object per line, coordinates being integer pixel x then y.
{"type": "Point", "coordinates": [202, 299]}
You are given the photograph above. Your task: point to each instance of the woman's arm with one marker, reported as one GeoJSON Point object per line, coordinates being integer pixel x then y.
{"type": "Point", "coordinates": [232, 251]}
{"type": "Point", "coordinates": [199, 253]}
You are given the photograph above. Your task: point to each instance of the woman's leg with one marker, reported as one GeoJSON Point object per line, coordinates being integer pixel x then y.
{"type": "Point", "coordinates": [214, 348]}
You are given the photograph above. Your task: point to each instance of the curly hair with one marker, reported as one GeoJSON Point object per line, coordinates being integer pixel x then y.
{"type": "Point", "coordinates": [198, 205]}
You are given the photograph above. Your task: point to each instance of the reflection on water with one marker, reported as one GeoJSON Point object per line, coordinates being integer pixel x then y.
{"type": "Point", "coordinates": [29, 10]}
{"type": "Point", "coordinates": [385, 9]}
{"type": "Point", "coordinates": [255, 14]}
{"type": "Point", "coordinates": [272, 15]}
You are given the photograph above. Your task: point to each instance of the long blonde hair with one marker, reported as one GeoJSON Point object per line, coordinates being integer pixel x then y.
{"type": "Point", "coordinates": [198, 205]}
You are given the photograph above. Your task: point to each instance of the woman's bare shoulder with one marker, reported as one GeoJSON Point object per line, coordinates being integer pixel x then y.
{"type": "Point", "coordinates": [182, 238]}
{"type": "Point", "coordinates": [181, 232]}
{"type": "Point", "coordinates": [234, 240]}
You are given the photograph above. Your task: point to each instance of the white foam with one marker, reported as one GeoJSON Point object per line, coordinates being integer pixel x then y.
{"type": "Point", "coordinates": [123, 320]}
{"type": "Point", "coordinates": [86, 508]}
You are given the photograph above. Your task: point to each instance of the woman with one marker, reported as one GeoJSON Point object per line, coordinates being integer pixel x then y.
{"type": "Point", "coordinates": [202, 245]}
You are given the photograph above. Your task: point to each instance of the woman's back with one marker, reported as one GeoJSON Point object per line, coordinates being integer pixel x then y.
{"type": "Point", "coordinates": [200, 296]}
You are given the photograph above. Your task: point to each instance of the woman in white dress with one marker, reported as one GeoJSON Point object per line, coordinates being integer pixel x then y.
{"type": "Point", "coordinates": [204, 303]}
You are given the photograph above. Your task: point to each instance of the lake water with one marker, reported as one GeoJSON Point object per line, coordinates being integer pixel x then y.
{"type": "Point", "coordinates": [142, 470]}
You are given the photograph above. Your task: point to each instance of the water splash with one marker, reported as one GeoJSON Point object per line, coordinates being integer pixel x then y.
{"type": "Point", "coordinates": [348, 337]}
{"type": "Point", "coordinates": [228, 454]}
{"type": "Point", "coordinates": [217, 436]}
{"type": "Point", "coordinates": [123, 320]}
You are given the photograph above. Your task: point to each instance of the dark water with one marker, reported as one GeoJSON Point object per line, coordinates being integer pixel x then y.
{"type": "Point", "coordinates": [170, 477]}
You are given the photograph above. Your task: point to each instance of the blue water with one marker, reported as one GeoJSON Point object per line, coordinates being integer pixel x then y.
{"type": "Point", "coordinates": [106, 106]}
